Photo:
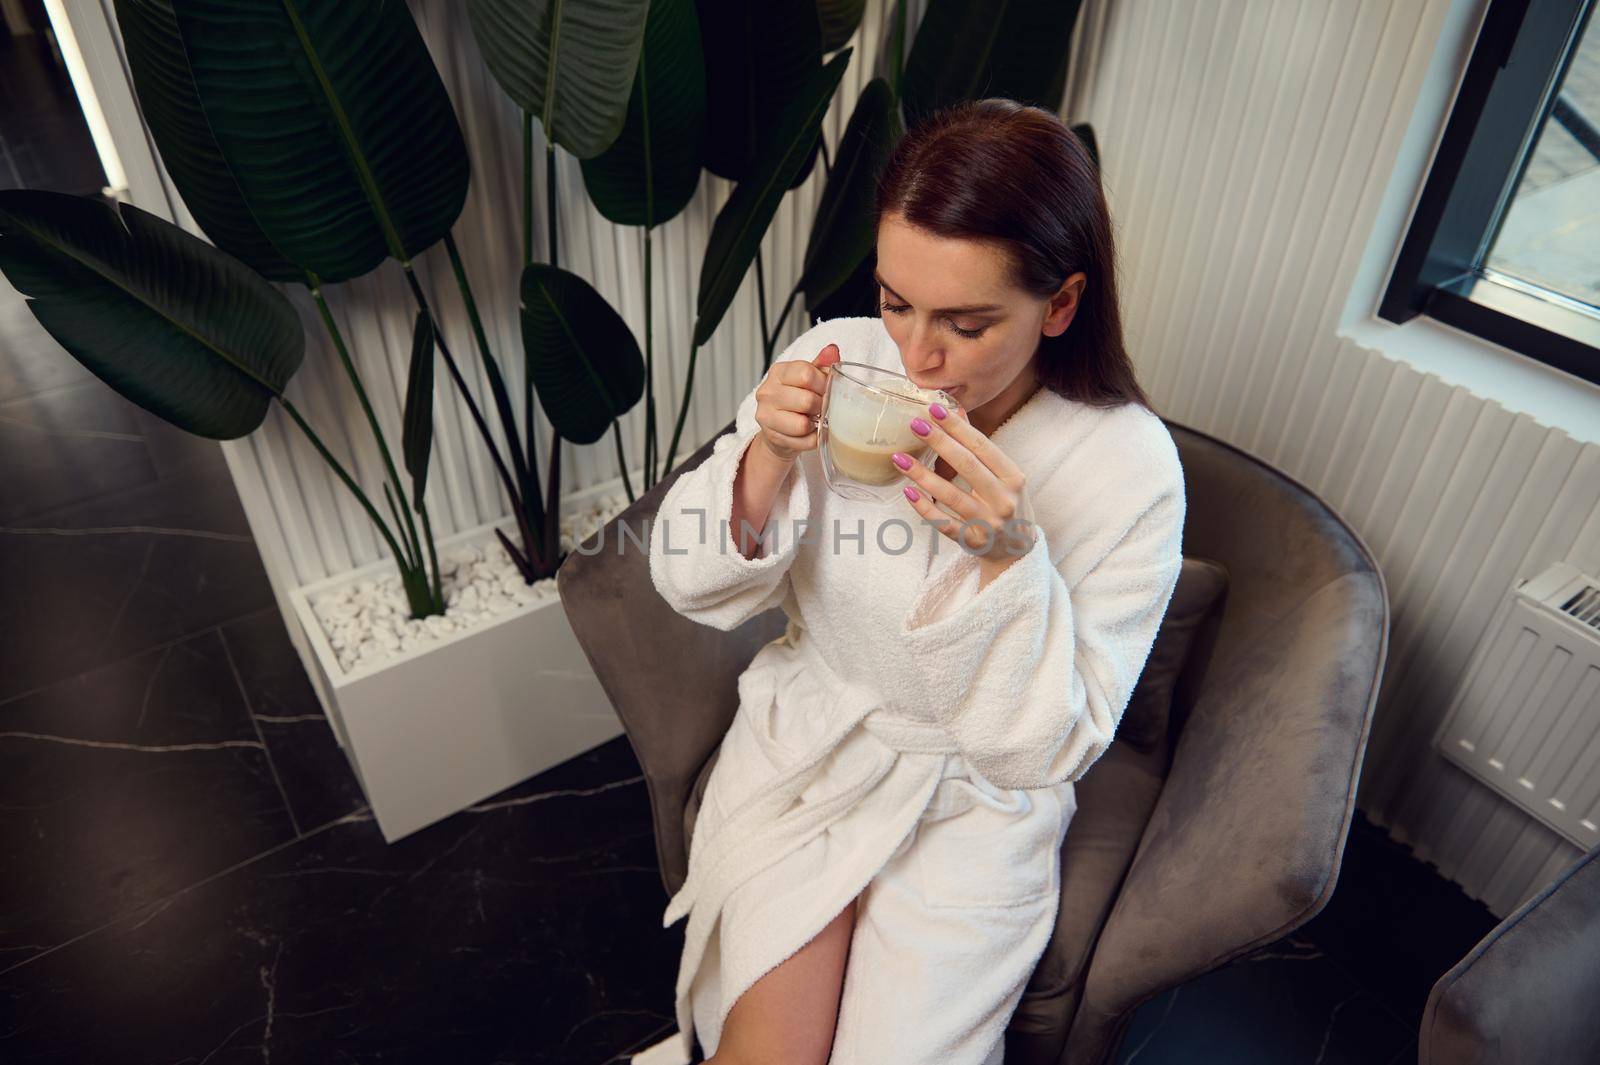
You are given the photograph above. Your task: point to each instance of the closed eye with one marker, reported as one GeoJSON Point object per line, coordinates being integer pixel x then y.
{"type": "Point", "coordinates": [901, 308]}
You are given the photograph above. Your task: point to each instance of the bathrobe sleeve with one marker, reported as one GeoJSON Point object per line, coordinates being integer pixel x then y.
{"type": "Point", "coordinates": [1030, 677]}
{"type": "Point", "coordinates": [693, 561]}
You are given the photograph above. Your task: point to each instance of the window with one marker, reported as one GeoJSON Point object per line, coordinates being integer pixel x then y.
{"type": "Point", "coordinates": [1505, 242]}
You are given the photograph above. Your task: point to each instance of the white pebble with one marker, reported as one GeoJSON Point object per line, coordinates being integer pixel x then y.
{"type": "Point", "coordinates": [370, 620]}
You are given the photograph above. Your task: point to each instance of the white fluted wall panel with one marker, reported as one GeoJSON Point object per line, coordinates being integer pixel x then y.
{"type": "Point", "coordinates": [1247, 145]}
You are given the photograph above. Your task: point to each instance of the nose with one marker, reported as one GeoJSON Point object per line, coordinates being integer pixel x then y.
{"type": "Point", "coordinates": [922, 356]}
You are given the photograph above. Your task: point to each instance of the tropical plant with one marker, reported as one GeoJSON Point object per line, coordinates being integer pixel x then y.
{"type": "Point", "coordinates": [745, 98]}
{"type": "Point", "coordinates": [702, 85]}
{"type": "Point", "coordinates": [312, 140]}
{"type": "Point", "coordinates": [572, 66]}
{"type": "Point", "coordinates": [190, 333]}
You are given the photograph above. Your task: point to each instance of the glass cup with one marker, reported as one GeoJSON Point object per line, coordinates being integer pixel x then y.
{"type": "Point", "coordinates": [866, 417]}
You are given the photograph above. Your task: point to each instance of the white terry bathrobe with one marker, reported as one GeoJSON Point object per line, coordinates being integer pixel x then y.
{"type": "Point", "coordinates": [910, 735]}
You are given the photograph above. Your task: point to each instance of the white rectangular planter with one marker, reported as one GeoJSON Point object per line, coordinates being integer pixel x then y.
{"type": "Point", "coordinates": [436, 729]}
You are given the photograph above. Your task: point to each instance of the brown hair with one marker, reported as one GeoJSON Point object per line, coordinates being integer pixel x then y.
{"type": "Point", "coordinates": [1015, 175]}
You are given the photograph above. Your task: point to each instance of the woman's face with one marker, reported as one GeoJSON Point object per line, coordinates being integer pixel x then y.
{"type": "Point", "coordinates": [959, 323]}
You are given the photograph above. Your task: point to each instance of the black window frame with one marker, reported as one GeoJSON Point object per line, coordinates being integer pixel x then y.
{"type": "Point", "coordinates": [1521, 53]}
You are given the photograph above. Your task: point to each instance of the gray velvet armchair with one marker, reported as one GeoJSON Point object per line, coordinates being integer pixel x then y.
{"type": "Point", "coordinates": [1527, 992]}
{"type": "Point", "coordinates": [1224, 835]}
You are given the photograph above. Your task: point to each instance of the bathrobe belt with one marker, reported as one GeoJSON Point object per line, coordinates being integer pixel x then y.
{"type": "Point", "coordinates": [770, 825]}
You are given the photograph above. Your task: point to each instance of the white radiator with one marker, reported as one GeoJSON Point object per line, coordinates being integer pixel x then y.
{"type": "Point", "coordinates": [1525, 719]}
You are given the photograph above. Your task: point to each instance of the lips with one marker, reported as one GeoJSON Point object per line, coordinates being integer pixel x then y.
{"type": "Point", "coordinates": [952, 391]}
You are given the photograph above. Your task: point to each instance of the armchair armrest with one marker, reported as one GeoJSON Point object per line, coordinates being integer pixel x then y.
{"type": "Point", "coordinates": [1526, 991]}
{"type": "Point", "coordinates": [672, 681]}
{"type": "Point", "coordinates": [1245, 841]}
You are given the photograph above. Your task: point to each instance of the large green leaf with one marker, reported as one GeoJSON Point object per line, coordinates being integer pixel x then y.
{"type": "Point", "coordinates": [171, 106]}
{"type": "Point", "coordinates": [333, 122]}
{"type": "Point", "coordinates": [759, 56]}
{"type": "Point", "coordinates": [839, 20]}
{"type": "Point", "coordinates": [651, 170]}
{"type": "Point", "coordinates": [178, 326]}
{"type": "Point", "coordinates": [736, 234]}
{"type": "Point", "coordinates": [583, 357]}
{"type": "Point", "coordinates": [845, 228]}
{"type": "Point", "coordinates": [416, 433]}
{"type": "Point", "coordinates": [1012, 48]}
{"type": "Point", "coordinates": [593, 48]}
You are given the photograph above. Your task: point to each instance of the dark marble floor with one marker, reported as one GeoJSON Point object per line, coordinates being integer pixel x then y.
{"type": "Point", "coordinates": [191, 871]}
{"type": "Point", "coordinates": [1348, 988]}
{"type": "Point", "coordinates": [191, 875]}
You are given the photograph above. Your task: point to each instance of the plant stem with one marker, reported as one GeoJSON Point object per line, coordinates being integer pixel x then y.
{"type": "Point", "coordinates": [683, 410]}
{"type": "Point", "coordinates": [472, 406]}
{"type": "Point", "coordinates": [649, 375]}
{"type": "Point", "coordinates": [533, 502]}
{"type": "Point", "coordinates": [343, 475]}
{"type": "Point", "coordinates": [413, 579]}
{"type": "Point", "coordinates": [433, 555]}
{"type": "Point", "coordinates": [622, 461]}
{"type": "Point", "coordinates": [535, 496]}
{"type": "Point", "coordinates": [552, 513]}
{"type": "Point", "coordinates": [412, 547]}
{"type": "Point", "coordinates": [314, 285]}
{"type": "Point", "coordinates": [502, 401]}
{"type": "Point", "coordinates": [552, 501]}
{"type": "Point", "coordinates": [761, 305]}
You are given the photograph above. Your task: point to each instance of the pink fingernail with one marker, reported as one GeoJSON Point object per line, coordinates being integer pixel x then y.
{"type": "Point", "coordinates": [903, 461]}
{"type": "Point", "coordinates": [911, 494]}
{"type": "Point", "coordinates": [937, 411]}
{"type": "Point", "coordinates": [920, 427]}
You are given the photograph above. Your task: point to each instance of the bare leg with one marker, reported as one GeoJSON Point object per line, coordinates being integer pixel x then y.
{"type": "Point", "coordinates": [790, 1013]}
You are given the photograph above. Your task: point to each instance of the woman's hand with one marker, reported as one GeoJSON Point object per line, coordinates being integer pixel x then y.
{"type": "Point", "coordinates": [788, 401]}
{"type": "Point", "coordinates": [992, 520]}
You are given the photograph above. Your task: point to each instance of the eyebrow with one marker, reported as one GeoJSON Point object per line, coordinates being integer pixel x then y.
{"type": "Point", "coordinates": [975, 308]}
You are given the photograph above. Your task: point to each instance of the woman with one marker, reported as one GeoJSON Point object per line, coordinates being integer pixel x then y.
{"type": "Point", "coordinates": [875, 868]}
